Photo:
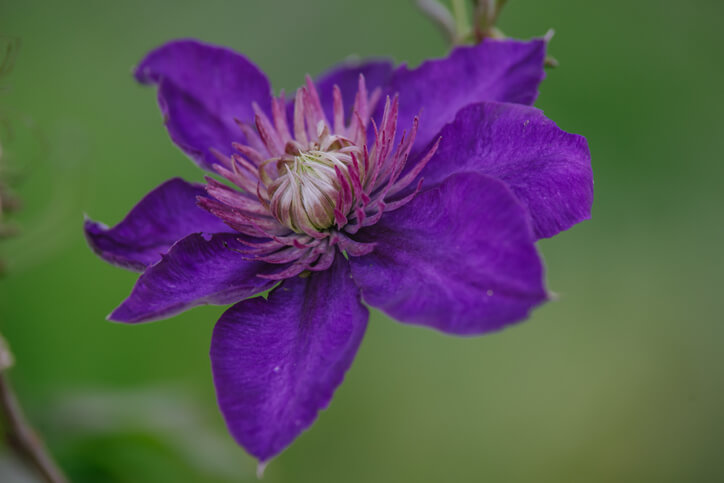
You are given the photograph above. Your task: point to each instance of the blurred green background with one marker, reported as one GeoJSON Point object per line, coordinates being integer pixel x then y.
{"type": "Point", "coordinates": [620, 380]}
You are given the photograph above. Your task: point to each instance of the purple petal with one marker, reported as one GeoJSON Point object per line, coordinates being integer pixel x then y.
{"type": "Point", "coordinates": [197, 270]}
{"type": "Point", "coordinates": [548, 169]}
{"type": "Point", "coordinates": [202, 89]}
{"type": "Point", "coordinates": [162, 217]}
{"type": "Point", "coordinates": [459, 258]}
{"type": "Point", "coordinates": [277, 362]}
{"type": "Point", "coordinates": [377, 73]}
{"type": "Point", "coordinates": [494, 70]}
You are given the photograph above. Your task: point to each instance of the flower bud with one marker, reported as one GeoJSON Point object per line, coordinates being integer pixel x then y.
{"type": "Point", "coordinates": [305, 194]}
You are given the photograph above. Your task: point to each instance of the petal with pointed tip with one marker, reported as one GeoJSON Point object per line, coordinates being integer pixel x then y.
{"type": "Point", "coordinates": [162, 217]}
{"type": "Point", "coordinates": [197, 270]}
{"type": "Point", "coordinates": [277, 361]}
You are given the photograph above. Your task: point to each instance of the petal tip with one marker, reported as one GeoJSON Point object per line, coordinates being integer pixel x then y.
{"type": "Point", "coordinates": [117, 315]}
{"type": "Point", "coordinates": [260, 468]}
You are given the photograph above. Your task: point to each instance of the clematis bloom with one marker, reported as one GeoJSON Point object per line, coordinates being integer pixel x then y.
{"type": "Point", "coordinates": [420, 191]}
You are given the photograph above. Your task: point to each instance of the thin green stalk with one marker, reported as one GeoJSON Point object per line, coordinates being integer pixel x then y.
{"type": "Point", "coordinates": [460, 12]}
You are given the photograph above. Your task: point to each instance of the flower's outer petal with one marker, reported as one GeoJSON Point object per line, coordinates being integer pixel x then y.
{"type": "Point", "coordinates": [277, 362]}
{"type": "Point", "coordinates": [377, 73]}
{"type": "Point", "coordinates": [548, 169]}
{"type": "Point", "coordinates": [494, 70]}
{"type": "Point", "coordinates": [460, 258]}
{"type": "Point", "coordinates": [197, 270]}
{"type": "Point", "coordinates": [162, 217]}
{"type": "Point", "coordinates": [202, 89]}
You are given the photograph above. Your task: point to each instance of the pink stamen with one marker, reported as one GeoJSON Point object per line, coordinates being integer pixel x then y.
{"type": "Point", "coordinates": [295, 177]}
{"type": "Point", "coordinates": [338, 109]}
{"type": "Point", "coordinates": [280, 118]}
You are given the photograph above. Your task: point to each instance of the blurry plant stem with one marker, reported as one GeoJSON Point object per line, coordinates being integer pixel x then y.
{"type": "Point", "coordinates": [455, 25]}
{"type": "Point", "coordinates": [20, 436]}
{"type": "Point", "coordinates": [461, 16]}
{"type": "Point", "coordinates": [486, 16]}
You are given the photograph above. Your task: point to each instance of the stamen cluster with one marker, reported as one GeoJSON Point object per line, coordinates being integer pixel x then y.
{"type": "Point", "coordinates": [308, 189]}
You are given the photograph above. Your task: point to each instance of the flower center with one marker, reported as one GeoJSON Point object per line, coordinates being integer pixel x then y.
{"type": "Point", "coordinates": [305, 193]}
{"type": "Point", "coordinates": [312, 184]}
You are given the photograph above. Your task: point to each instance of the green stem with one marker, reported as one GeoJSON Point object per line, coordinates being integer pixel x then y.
{"type": "Point", "coordinates": [460, 12]}
{"type": "Point", "coordinates": [486, 17]}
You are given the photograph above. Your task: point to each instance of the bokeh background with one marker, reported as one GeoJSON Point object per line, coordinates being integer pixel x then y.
{"type": "Point", "coordinates": [620, 380]}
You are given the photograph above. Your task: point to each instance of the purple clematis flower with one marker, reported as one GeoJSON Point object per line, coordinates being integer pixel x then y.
{"type": "Point", "coordinates": [328, 203]}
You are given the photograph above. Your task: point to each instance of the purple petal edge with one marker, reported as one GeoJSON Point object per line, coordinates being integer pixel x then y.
{"type": "Point", "coordinates": [276, 362]}
{"type": "Point", "coordinates": [459, 258]}
{"type": "Point", "coordinates": [494, 70]}
{"type": "Point", "coordinates": [197, 270]}
{"type": "Point", "coordinates": [203, 88]}
{"type": "Point", "coordinates": [548, 169]}
{"type": "Point", "coordinates": [164, 216]}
